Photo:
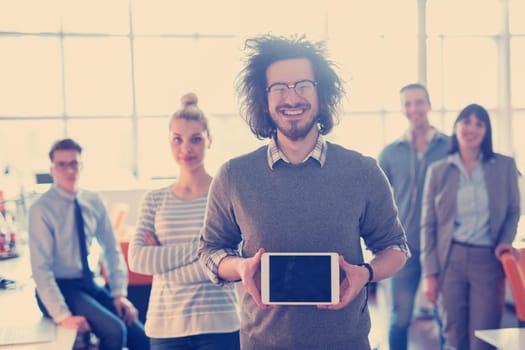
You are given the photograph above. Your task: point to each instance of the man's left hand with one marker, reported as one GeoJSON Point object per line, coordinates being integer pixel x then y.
{"type": "Point", "coordinates": [356, 277]}
{"type": "Point", "coordinates": [125, 310]}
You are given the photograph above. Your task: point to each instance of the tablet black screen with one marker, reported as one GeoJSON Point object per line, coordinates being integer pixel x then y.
{"type": "Point", "coordinates": [300, 278]}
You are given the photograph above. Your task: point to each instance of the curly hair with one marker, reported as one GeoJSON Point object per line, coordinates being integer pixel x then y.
{"type": "Point", "coordinates": [263, 51]}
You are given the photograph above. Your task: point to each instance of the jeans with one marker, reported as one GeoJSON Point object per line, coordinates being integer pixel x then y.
{"type": "Point", "coordinates": [218, 341]}
{"type": "Point", "coordinates": [96, 305]}
{"type": "Point", "coordinates": [404, 287]}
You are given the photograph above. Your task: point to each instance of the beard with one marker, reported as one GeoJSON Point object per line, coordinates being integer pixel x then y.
{"type": "Point", "coordinates": [292, 129]}
{"type": "Point", "coordinates": [295, 132]}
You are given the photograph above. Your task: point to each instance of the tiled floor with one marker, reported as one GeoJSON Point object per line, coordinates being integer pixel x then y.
{"type": "Point", "coordinates": [423, 331]}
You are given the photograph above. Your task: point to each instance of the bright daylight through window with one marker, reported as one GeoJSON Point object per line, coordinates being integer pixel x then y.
{"type": "Point", "coordinates": [110, 73]}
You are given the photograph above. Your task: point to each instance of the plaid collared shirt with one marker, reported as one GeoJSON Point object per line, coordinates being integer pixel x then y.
{"type": "Point", "coordinates": [318, 153]}
{"type": "Point", "coordinates": [274, 154]}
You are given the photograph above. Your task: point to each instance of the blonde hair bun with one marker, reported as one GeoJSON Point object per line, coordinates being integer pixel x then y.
{"type": "Point", "coordinates": [189, 99]}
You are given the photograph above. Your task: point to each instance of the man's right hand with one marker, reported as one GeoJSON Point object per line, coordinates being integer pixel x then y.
{"type": "Point", "coordinates": [431, 288]}
{"type": "Point", "coordinates": [250, 273]}
{"type": "Point", "coordinates": [76, 322]}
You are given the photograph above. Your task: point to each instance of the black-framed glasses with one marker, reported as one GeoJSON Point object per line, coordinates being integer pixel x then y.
{"type": "Point", "coordinates": [302, 88]}
{"type": "Point", "coordinates": [63, 166]}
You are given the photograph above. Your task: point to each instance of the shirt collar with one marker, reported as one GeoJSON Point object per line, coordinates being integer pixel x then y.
{"type": "Point", "coordinates": [431, 133]}
{"type": "Point", "coordinates": [65, 194]}
{"type": "Point", "coordinates": [318, 153]}
{"type": "Point", "coordinates": [455, 159]}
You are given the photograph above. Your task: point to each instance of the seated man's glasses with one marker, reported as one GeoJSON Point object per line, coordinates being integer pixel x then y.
{"type": "Point", "coordinates": [63, 166]}
{"type": "Point", "coordinates": [303, 88]}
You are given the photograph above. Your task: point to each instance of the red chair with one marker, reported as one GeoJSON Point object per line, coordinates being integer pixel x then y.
{"type": "Point", "coordinates": [139, 285]}
{"type": "Point", "coordinates": [134, 279]}
{"type": "Point", "coordinates": [515, 273]}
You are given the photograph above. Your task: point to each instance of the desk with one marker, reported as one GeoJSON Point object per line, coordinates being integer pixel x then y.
{"type": "Point", "coordinates": [504, 338]}
{"type": "Point", "coordinates": [64, 340]}
{"type": "Point", "coordinates": [20, 305]}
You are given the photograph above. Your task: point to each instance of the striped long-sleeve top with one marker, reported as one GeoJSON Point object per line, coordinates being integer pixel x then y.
{"type": "Point", "coordinates": [183, 300]}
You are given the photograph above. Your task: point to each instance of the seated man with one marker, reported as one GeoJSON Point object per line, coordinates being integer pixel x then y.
{"type": "Point", "coordinates": [62, 225]}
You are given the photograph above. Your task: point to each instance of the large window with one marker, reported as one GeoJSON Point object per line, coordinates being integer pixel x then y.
{"type": "Point", "coordinates": [109, 73]}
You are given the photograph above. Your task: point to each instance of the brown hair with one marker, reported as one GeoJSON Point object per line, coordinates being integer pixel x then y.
{"type": "Point", "coordinates": [62, 145]}
{"type": "Point", "coordinates": [416, 86]}
{"type": "Point", "coordinates": [262, 52]}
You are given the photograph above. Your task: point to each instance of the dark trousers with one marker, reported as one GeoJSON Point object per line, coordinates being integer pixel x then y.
{"type": "Point", "coordinates": [96, 305]}
{"type": "Point", "coordinates": [218, 341]}
{"type": "Point", "coordinates": [139, 296]}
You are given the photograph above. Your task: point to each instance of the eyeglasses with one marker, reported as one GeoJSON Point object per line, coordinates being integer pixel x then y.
{"type": "Point", "coordinates": [63, 166]}
{"type": "Point", "coordinates": [302, 88]}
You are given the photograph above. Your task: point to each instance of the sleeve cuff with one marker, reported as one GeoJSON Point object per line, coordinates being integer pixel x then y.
{"type": "Point", "coordinates": [212, 265]}
{"type": "Point", "coordinates": [119, 293]}
{"type": "Point", "coordinates": [61, 317]}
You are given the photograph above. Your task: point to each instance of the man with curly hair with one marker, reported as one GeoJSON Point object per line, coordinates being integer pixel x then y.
{"type": "Point", "coordinates": [299, 193]}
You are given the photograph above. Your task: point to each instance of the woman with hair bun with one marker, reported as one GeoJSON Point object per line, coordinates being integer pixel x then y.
{"type": "Point", "coordinates": [186, 310]}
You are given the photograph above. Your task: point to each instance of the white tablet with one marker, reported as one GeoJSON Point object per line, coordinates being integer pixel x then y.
{"type": "Point", "coordinates": [300, 278]}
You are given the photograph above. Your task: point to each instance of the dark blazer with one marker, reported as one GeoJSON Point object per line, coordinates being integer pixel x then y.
{"type": "Point", "coordinates": [439, 208]}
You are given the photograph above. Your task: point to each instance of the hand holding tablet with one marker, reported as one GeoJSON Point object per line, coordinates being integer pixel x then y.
{"type": "Point", "coordinates": [300, 278]}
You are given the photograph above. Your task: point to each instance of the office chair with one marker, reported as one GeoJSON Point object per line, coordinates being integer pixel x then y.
{"type": "Point", "coordinates": [515, 273]}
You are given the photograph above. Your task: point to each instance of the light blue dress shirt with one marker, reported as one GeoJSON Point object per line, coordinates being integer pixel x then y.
{"type": "Point", "coordinates": [54, 246]}
{"type": "Point", "coordinates": [471, 224]}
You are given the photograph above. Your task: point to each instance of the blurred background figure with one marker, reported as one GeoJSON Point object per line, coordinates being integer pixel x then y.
{"type": "Point", "coordinates": [63, 224]}
{"type": "Point", "coordinates": [471, 209]}
{"type": "Point", "coordinates": [405, 163]}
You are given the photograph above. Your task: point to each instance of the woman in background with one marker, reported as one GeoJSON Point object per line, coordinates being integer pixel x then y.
{"type": "Point", "coordinates": [186, 311]}
{"type": "Point", "coordinates": [471, 208]}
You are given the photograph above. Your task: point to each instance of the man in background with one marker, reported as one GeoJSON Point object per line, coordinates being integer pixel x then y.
{"type": "Point", "coordinates": [405, 163]}
{"type": "Point", "coordinates": [63, 222]}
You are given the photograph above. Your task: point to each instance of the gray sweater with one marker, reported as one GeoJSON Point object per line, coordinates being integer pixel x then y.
{"type": "Point", "coordinates": [301, 208]}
